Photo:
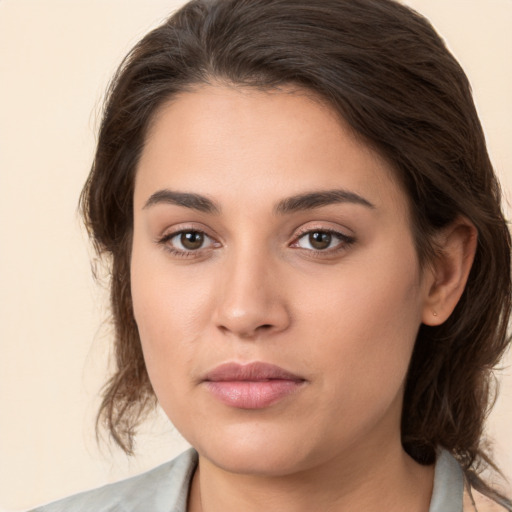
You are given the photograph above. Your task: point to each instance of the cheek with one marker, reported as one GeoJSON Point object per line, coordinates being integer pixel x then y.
{"type": "Point", "coordinates": [364, 325]}
{"type": "Point", "coordinates": [171, 311]}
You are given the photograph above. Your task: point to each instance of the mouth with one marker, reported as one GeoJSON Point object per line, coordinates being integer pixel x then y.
{"type": "Point", "coordinates": [251, 386]}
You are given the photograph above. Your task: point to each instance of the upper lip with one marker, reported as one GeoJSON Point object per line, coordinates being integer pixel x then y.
{"type": "Point", "coordinates": [252, 372]}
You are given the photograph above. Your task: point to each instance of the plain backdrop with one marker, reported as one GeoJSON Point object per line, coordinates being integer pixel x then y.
{"type": "Point", "coordinates": [56, 58]}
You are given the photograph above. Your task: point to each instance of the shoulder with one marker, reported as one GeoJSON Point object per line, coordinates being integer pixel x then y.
{"type": "Point", "coordinates": [163, 488]}
{"type": "Point", "coordinates": [477, 502]}
{"type": "Point", "coordinates": [451, 491]}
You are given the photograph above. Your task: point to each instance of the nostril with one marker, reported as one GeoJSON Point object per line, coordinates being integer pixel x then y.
{"type": "Point", "coordinates": [250, 333]}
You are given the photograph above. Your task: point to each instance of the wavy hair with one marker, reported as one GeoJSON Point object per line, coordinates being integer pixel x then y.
{"type": "Point", "coordinates": [385, 70]}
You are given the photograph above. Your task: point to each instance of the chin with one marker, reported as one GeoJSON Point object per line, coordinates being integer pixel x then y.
{"type": "Point", "coordinates": [263, 451]}
{"type": "Point", "coordinates": [250, 461]}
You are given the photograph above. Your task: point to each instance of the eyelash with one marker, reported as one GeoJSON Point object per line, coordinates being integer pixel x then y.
{"type": "Point", "coordinates": [345, 242]}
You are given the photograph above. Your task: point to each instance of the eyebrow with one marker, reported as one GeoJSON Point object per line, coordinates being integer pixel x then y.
{"type": "Point", "coordinates": [311, 200]}
{"type": "Point", "coordinates": [306, 201]}
{"type": "Point", "coordinates": [185, 199]}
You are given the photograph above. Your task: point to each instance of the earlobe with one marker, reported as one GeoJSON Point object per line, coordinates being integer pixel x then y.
{"type": "Point", "coordinates": [456, 246]}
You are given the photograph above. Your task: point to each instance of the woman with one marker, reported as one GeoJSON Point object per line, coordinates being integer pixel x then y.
{"type": "Point", "coordinates": [310, 267]}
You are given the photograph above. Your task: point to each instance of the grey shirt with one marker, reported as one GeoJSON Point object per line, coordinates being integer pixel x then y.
{"type": "Point", "coordinates": [165, 489]}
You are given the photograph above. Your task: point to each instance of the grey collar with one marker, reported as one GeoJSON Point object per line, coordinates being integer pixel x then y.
{"type": "Point", "coordinates": [447, 495]}
{"type": "Point", "coordinates": [166, 488]}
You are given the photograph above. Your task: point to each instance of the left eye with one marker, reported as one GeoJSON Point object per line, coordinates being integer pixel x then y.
{"type": "Point", "coordinates": [321, 240]}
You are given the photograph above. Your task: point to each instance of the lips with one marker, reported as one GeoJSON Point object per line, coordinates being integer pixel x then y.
{"type": "Point", "coordinates": [251, 386]}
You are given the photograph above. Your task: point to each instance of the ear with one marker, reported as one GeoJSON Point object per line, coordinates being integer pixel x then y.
{"type": "Point", "coordinates": [449, 272]}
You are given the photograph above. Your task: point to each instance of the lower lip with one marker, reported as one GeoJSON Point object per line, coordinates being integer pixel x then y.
{"type": "Point", "coordinates": [252, 394]}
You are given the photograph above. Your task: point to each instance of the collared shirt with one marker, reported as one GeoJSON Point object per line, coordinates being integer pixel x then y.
{"type": "Point", "coordinates": [165, 489]}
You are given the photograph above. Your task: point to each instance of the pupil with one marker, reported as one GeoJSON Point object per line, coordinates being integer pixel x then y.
{"type": "Point", "coordinates": [320, 240]}
{"type": "Point", "coordinates": [192, 240]}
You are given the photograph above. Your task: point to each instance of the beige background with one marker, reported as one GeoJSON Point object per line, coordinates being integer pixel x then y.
{"type": "Point", "coordinates": [55, 60]}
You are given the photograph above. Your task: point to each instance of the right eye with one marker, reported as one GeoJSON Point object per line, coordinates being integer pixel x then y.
{"type": "Point", "coordinates": [187, 242]}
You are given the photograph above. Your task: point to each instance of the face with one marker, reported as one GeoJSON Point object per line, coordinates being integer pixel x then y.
{"type": "Point", "coordinates": [275, 282]}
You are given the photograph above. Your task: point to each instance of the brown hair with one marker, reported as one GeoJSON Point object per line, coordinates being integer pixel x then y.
{"type": "Point", "coordinates": [389, 75]}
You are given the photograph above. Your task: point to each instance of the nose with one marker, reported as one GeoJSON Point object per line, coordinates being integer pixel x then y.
{"type": "Point", "coordinates": [250, 302]}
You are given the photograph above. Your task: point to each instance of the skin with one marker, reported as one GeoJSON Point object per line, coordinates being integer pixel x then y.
{"type": "Point", "coordinates": [343, 318]}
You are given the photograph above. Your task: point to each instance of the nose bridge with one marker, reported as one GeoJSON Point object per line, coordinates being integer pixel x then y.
{"type": "Point", "coordinates": [250, 299]}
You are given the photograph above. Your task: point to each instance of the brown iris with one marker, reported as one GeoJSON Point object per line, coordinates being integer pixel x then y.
{"type": "Point", "coordinates": [320, 239]}
{"type": "Point", "coordinates": [192, 240]}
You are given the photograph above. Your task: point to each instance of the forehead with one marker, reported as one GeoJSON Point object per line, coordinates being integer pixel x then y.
{"type": "Point", "coordinates": [216, 140]}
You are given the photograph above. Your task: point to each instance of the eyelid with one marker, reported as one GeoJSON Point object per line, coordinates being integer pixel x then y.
{"type": "Point", "coordinates": [183, 227]}
{"type": "Point", "coordinates": [326, 227]}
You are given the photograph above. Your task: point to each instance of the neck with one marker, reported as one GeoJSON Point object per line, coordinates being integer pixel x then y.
{"type": "Point", "coordinates": [370, 478]}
